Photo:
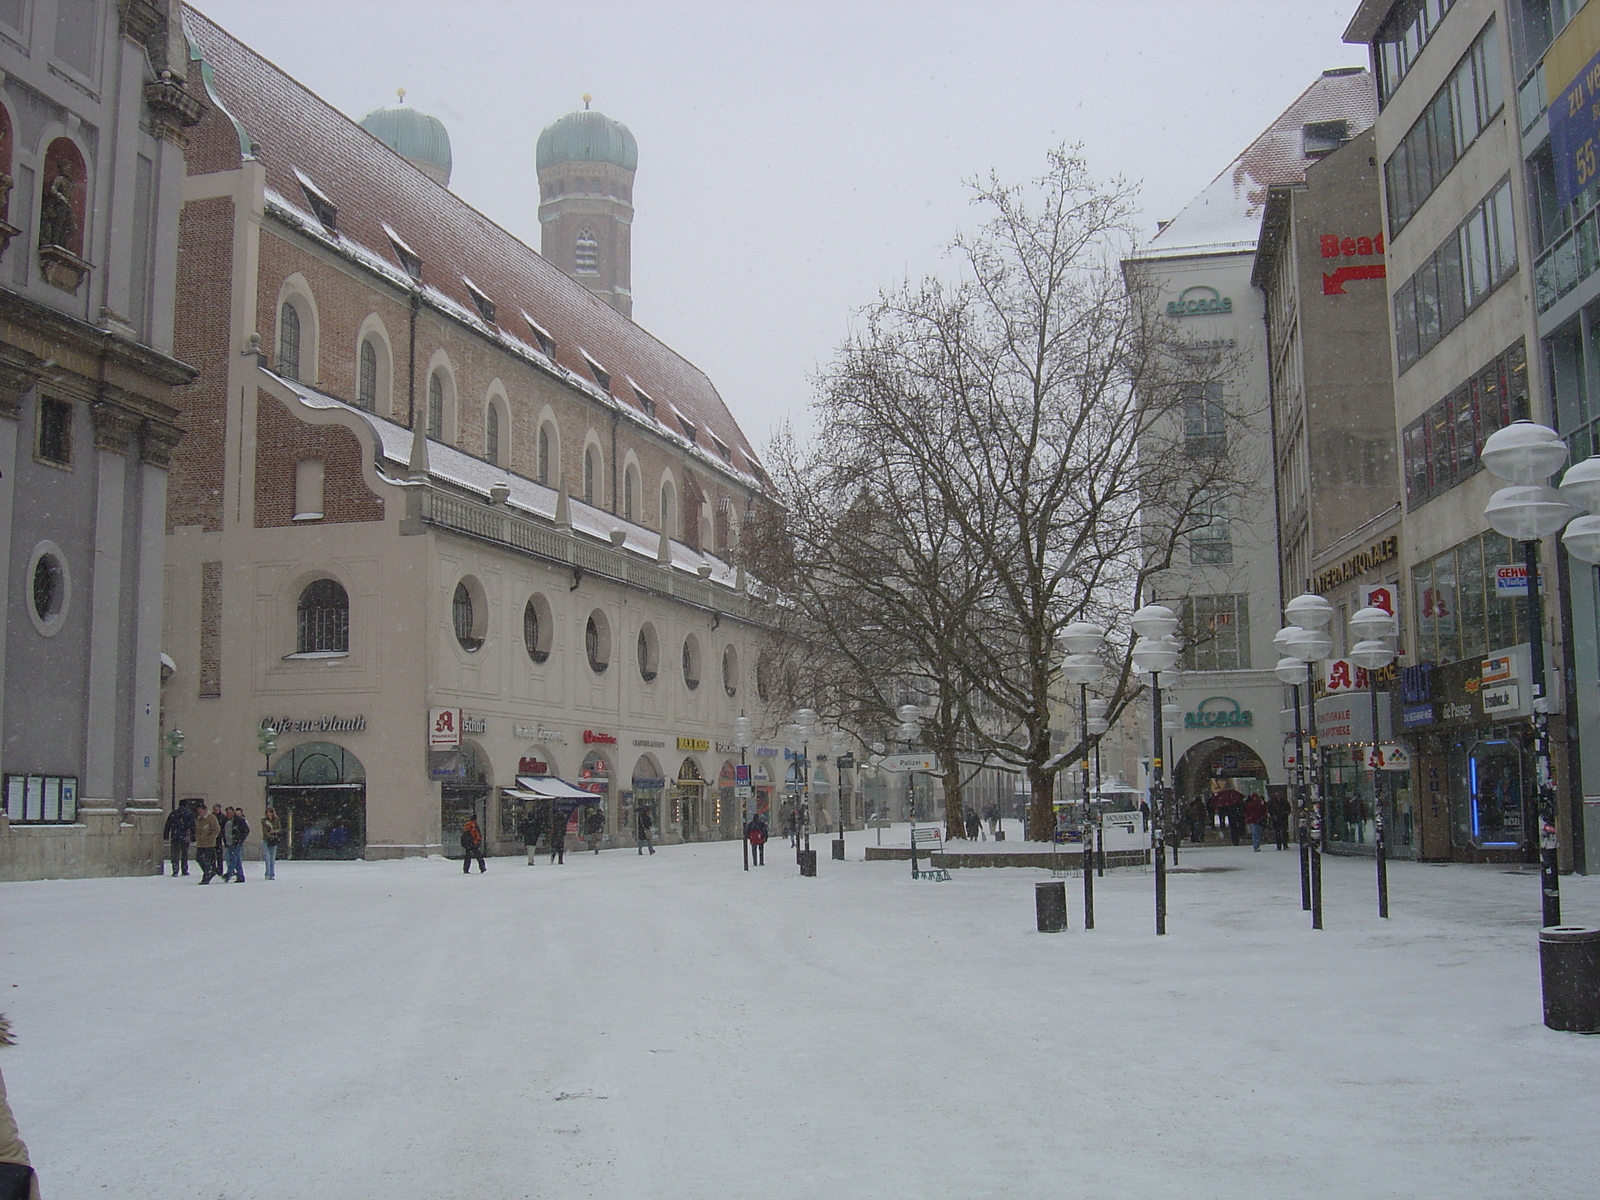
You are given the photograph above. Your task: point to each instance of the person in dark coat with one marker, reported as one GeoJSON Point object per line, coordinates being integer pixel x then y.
{"type": "Point", "coordinates": [179, 832]}
{"type": "Point", "coordinates": [558, 838]}
{"type": "Point", "coordinates": [1255, 816]}
{"type": "Point", "coordinates": [472, 847]}
{"type": "Point", "coordinates": [234, 832]}
{"type": "Point", "coordinates": [12, 1148]}
{"type": "Point", "coordinates": [756, 833]}
{"type": "Point", "coordinates": [1278, 816]}
{"type": "Point", "coordinates": [644, 826]}
{"type": "Point", "coordinates": [594, 826]}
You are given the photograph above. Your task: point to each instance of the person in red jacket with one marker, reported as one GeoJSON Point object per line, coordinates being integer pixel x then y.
{"type": "Point", "coordinates": [472, 847]}
{"type": "Point", "coordinates": [1255, 816]}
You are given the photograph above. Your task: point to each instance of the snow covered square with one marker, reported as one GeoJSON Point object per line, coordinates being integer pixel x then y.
{"type": "Point", "coordinates": [673, 1028]}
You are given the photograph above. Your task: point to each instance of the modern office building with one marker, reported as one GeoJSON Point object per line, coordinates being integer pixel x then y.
{"type": "Point", "coordinates": [93, 119]}
{"type": "Point", "coordinates": [1321, 265]}
{"type": "Point", "coordinates": [1466, 360]}
{"type": "Point", "coordinates": [1226, 582]}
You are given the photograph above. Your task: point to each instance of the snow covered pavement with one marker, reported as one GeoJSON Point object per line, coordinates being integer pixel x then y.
{"type": "Point", "coordinates": [672, 1027]}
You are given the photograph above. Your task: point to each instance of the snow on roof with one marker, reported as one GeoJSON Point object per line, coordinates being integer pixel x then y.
{"type": "Point", "coordinates": [449, 465]}
{"type": "Point", "coordinates": [1226, 216]}
{"type": "Point", "coordinates": [386, 204]}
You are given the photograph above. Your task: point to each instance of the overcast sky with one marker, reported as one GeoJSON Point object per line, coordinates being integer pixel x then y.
{"type": "Point", "coordinates": [796, 157]}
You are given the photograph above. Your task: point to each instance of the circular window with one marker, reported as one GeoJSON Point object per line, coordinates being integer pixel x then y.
{"type": "Point", "coordinates": [691, 662]}
{"type": "Point", "coordinates": [467, 614]}
{"type": "Point", "coordinates": [730, 671]}
{"type": "Point", "coordinates": [49, 589]}
{"type": "Point", "coordinates": [597, 642]}
{"type": "Point", "coordinates": [649, 653]}
{"type": "Point", "coordinates": [537, 628]}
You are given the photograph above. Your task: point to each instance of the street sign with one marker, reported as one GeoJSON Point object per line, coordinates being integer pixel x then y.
{"type": "Point", "coordinates": [741, 773]}
{"type": "Point", "coordinates": [909, 762]}
{"type": "Point", "coordinates": [267, 774]}
{"type": "Point", "coordinates": [742, 791]}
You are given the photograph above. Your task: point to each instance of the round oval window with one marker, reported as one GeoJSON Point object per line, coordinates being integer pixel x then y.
{"type": "Point", "coordinates": [48, 588]}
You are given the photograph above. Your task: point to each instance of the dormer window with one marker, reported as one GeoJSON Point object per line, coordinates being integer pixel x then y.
{"type": "Point", "coordinates": [324, 209]}
{"type": "Point", "coordinates": [722, 448]}
{"type": "Point", "coordinates": [480, 298]}
{"type": "Point", "coordinates": [690, 430]}
{"type": "Point", "coordinates": [547, 343]}
{"type": "Point", "coordinates": [410, 261]}
{"type": "Point", "coordinates": [1323, 137]}
{"type": "Point", "coordinates": [646, 403]}
{"type": "Point", "coordinates": [601, 375]}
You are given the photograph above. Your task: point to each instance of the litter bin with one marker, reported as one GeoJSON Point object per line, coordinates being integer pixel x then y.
{"type": "Point", "coordinates": [808, 862]}
{"type": "Point", "coordinates": [1569, 971]}
{"type": "Point", "coordinates": [838, 849]}
{"type": "Point", "coordinates": [1050, 905]}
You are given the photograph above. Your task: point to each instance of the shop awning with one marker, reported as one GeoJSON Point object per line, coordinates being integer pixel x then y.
{"type": "Point", "coordinates": [548, 787]}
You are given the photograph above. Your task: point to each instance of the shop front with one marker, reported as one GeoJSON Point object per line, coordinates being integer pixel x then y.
{"type": "Point", "coordinates": [1472, 744]}
{"type": "Point", "coordinates": [522, 814]}
{"type": "Point", "coordinates": [688, 801]}
{"type": "Point", "coordinates": [319, 790]}
{"type": "Point", "coordinates": [1359, 770]}
{"type": "Point", "coordinates": [466, 784]}
{"type": "Point", "coordinates": [645, 794]}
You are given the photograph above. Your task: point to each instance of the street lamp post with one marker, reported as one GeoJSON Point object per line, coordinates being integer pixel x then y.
{"type": "Point", "coordinates": [1097, 727]}
{"type": "Point", "coordinates": [805, 721]}
{"type": "Point", "coordinates": [1290, 671]}
{"type": "Point", "coordinates": [1373, 651]}
{"type": "Point", "coordinates": [744, 736]}
{"type": "Point", "coordinates": [837, 741]}
{"type": "Point", "coordinates": [1308, 642]}
{"type": "Point", "coordinates": [1082, 666]}
{"type": "Point", "coordinates": [908, 731]}
{"type": "Point", "coordinates": [1156, 651]}
{"type": "Point", "coordinates": [172, 747]}
{"type": "Point", "coordinates": [1527, 455]}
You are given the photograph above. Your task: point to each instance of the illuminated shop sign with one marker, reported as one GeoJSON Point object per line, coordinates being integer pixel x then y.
{"type": "Point", "coordinates": [1217, 712]}
{"type": "Point", "coordinates": [1199, 301]}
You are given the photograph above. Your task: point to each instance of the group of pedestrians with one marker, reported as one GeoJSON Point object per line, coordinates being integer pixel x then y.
{"type": "Point", "coordinates": [218, 836]}
{"type": "Point", "coordinates": [1241, 816]}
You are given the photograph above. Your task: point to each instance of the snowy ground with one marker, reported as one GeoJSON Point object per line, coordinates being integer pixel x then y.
{"type": "Point", "coordinates": [671, 1027]}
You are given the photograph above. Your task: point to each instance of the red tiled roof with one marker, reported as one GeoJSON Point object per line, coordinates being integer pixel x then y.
{"type": "Point", "coordinates": [295, 131]}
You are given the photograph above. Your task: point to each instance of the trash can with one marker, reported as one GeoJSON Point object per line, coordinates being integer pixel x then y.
{"type": "Point", "coordinates": [838, 849]}
{"type": "Point", "coordinates": [808, 862]}
{"type": "Point", "coordinates": [1569, 971]}
{"type": "Point", "coordinates": [1050, 905]}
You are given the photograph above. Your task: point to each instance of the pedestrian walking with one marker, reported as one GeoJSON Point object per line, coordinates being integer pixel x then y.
{"type": "Point", "coordinates": [644, 825]}
{"type": "Point", "coordinates": [558, 838]}
{"type": "Point", "coordinates": [1278, 817]}
{"type": "Point", "coordinates": [270, 832]}
{"type": "Point", "coordinates": [974, 825]}
{"type": "Point", "coordinates": [529, 829]}
{"type": "Point", "coordinates": [1196, 812]}
{"type": "Point", "coordinates": [472, 847]}
{"type": "Point", "coordinates": [756, 833]}
{"type": "Point", "coordinates": [207, 829]}
{"type": "Point", "coordinates": [17, 1177]}
{"type": "Point", "coordinates": [235, 831]}
{"type": "Point", "coordinates": [1255, 816]}
{"type": "Point", "coordinates": [179, 832]}
{"type": "Point", "coordinates": [594, 826]}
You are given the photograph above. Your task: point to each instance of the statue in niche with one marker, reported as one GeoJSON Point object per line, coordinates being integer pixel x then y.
{"type": "Point", "coordinates": [58, 223]}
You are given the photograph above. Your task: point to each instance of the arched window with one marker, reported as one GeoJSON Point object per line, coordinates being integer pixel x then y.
{"type": "Point", "coordinates": [464, 616]}
{"type": "Point", "coordinates": [367, 377]}
{"type": "Point", "coordinates": [586, 253]}
{"type": "Point", "coordinates": [669, 509]}
{"type": "Point", "coordinates": [591, 474]}
{"type": "Point", "coordinates": [649, 655]}
{"type": "Point", "coordinates": [491, 436]}
{"type": "Point", "coordinates": [630, 481]}
{"type": "Point", "coordinates": [436, 406]}
{"type": "Point", "coordinates": [544, 455]}
{"type": "Point", "coordinates": [289, 341]}
{"type": "Point", "coordinates": [597, 642]}
{"type": "Point", "coordinates": [730, 671]}
{"type": "Point", "coordinates": [724, 524]}
{"type": "Point", "coordinates": [323, 619]}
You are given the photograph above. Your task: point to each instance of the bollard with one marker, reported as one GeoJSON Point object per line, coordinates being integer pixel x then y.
{"type": "Point", "coordinates": [808, 862]}
{"type": "Point", "coordinates": [838, 849]}
{"type": "Point", "coordinates": [1569, 973]}
{"type": "Point", "coordinates": [1050, 905]}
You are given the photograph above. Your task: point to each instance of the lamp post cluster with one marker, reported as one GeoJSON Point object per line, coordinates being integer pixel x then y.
{"type": "Point", "coordinates": [1526, 456]}
{"type": "Point", "coordinates": [744, 736]}
{"type": "Point", "coordinates": [797, 736]}
{"type": "Point", "coordinates": [1303, 643]}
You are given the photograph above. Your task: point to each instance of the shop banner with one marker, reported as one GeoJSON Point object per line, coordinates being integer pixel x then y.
{"type": "Point", "coordinates": [1575, 132]}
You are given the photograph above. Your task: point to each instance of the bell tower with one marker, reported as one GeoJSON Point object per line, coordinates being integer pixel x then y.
{"type": "Point", "coordinates": [586, 162]}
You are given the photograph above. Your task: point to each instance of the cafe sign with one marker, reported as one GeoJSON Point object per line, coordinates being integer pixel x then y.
{"type": "Point", "coordinates": [1218, 712]}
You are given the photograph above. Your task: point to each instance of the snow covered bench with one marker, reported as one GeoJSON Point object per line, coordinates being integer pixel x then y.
{"type": "Point", "coordinates": [933, 840]}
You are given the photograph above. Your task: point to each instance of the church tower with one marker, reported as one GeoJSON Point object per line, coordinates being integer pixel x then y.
{"type": "Point", "coordinates": [416, 137]}
{"type": "Point", "coordinates": [586, 163]}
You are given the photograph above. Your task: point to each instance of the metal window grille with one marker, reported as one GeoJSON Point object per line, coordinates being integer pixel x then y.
{"type": "Point", "coordinates": [324, 619]}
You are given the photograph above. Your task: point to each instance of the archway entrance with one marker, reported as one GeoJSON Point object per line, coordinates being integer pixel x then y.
{"type": "Point", "coordinates": [688, 800]}
{"type": "Point", "coordinates": [1214, 772]}
{"type": "Point", "coordinates": [644, 796]}
{"type": "Point", "coordinates": [464, 796]}
{"type": "Point", "coordinates": [320, 793]}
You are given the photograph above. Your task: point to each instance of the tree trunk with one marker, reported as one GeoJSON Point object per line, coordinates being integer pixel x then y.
{"type": "Point", "coordinates": [955, 817]}
{"type": "Point", "coordinates": [1041, 812]}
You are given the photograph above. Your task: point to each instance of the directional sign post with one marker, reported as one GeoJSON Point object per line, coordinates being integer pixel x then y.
{"type": "Point", "coordinates": [909, 762]}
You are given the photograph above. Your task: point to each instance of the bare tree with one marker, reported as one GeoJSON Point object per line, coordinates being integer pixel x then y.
{"type": "Point", "coordinates": [997, 456]}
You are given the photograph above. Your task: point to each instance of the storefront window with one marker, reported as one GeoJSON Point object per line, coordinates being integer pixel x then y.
{"type": "Point", "coordinates": [1460, 612]}
{"type": "Point", "coordinates": [1489, 811]}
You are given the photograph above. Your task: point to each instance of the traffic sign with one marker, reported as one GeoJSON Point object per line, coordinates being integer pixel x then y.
{"type": "Point", "coordinates": [909, 762]}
